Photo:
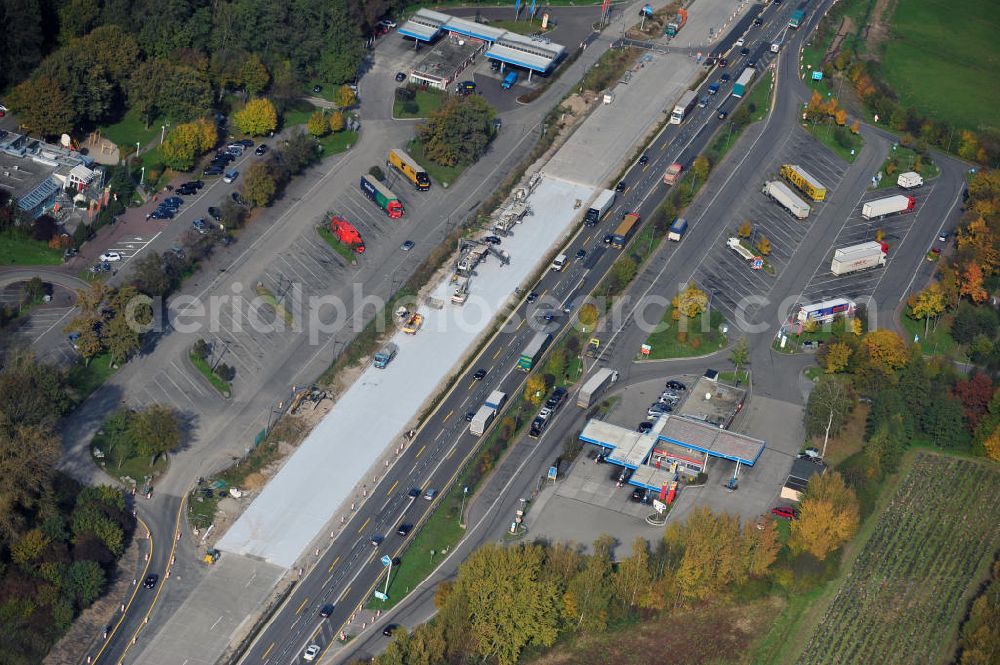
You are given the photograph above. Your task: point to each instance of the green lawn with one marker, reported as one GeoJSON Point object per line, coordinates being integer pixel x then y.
{"type": "Point", "coordinates": [297, 113]}
{"type": "Point", "coordinates": [827, 132]}
{"type": "Point", "coordinates": [666, 345]}
{"type": "Point", "coordinates": [759, 99]}
{"type": "Point", "coordinates": [334, 144]}
{"type": "Point", "coordinates": [427, 101]}
{"type": "Point", "coordinates": [905, 159]}
{"type": "Point", "coordinates": [131, 129]}
{"type": "Point", "coordinates": [18, 250]}
{"type": "Point", "coordinates": [86, 378]}
{"type": "Point", "coordinates": [345, 252]}
{"type": "Point", "coordinates": [136, 468]}
{"type": "Point", "coordinates": [440, 175]}
{"type": "Point", "coordinates": [938, 341]}
{"type": "Point", "coordinates": [942, 58]}
{"type": "Point", "coordinates": [202, 365]}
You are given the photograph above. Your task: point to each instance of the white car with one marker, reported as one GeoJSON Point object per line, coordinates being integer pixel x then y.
{"type": "Point", "coordinates": [110, 256]}
{"type": "Point", "coordinates": [739, 42]}
{"type": "Point", "coordinates": [311, 652]}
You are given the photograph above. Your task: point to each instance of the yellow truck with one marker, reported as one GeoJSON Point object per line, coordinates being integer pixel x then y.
{"type": "Point", "coordinates": [413, 324]}
{"type": "Point", "coordinates": [807, 183]}
{"type": "Point", "coordinates": [407, 166]}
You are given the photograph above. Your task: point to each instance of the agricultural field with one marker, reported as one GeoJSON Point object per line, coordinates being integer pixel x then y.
{"type": "Point", "coordinates": [909, 587]}
{"type": "Point", "coordinates": [941, 56]}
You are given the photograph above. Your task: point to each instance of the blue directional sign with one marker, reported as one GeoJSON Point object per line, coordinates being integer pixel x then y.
{"type": "Point", "coordinates": [386, 560]}
{"type": "Point", "coordinates": [817, 76]}
{"type": "Point", "coordinates": [758, 263]}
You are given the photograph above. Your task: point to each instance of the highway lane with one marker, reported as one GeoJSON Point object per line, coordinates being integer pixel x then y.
{"type": "Point", "coordinates": [346, 573]}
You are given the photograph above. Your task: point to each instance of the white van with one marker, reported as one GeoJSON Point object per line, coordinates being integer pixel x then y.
{"type": "Point", "coordinates": [775, 47]}
{"type": "Point", "coordinates": [559, 263]}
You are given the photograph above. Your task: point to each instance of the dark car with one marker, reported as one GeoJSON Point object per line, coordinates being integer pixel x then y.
{"type": "Point", "coordinates": [556, 399]}
{"type": "Point", "coordinates": [758, 21]}
{"type": "Point", "coordinates": [200, 226]}
{"type": "Point", "coordinates": [725, 77]}
{"type": "Point", "coordinates": [400, 77]}
{"type": "Point", "coordinates": [752, 64]}
{"type": "Point", "coordinates": [723, 114]}
{"type": "Point", "coordinates": [212, 170]}
{"type": "Point", "coordinates": [215, 213]}
{"type": "Point", "coordinates": [161, 214]}
{"type": "Point", "coordinates": [414, 493]}
{"type": "Point", "coordinates": [151, 580]}
{"type": "Point", "coordinates": [723, 62]}
{"type": "Point", "coordinates": [469, 415]}
{"type": "Point", "coordinates": [326, 611]}
{"type": "Point", "coordinates": [638, 495]}
{"type": "Point", "coordinates": [621, 187]}
{"type": "Point", "coordinates": [186, 190]}
{"type": "Point", "coordinates": [404, 529]}
{"type": "Point", "coordinates": [744, 51]}
{"type": "Point", "coordinates": [246, 143]}
{"type": "Point", "coordinates": [193, 184]}
{"type": "Point", "coordinates": [644, 159]}
{"type": "Point", "coordinates": [609, 238]}
{"type": "Point", "coordinates": [644, 427]}
{"type": "Point", "coordinates": [174, 201]}
{"type": "Point", "coordinates": [479, 375]}
{"type": "Point", "coordinates": [493, 240]}
{"type": "Point", "coordinates": [676, 385]}
{"type": "Point", "coordinates": [581, 254]}
{"type": "Point", "coordinates": [389, 630]}
{"type": "Point", "coordinates": [224, 156]}
{"type": "Point", "coordinates": [261, 149]}
{"type": "Point", "coordinates": [466, 87]}
{"type": "Point", "coordinates": [785, 512]}
{"type": "Point", "coordinates": [533, 296]}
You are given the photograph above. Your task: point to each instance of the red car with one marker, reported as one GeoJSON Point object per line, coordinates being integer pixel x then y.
{"type": "Point", "coordinates": [785, 512]}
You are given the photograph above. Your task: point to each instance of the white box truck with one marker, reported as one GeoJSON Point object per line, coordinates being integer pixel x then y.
{"type": "Point", "coordinates": [786, 198]}
{"type": "Point", "coordinates": [594, 386]}
{"type": "Point", "coordinates": [890, 205]}
{"type": "Point", "coordinates": [858, 257]}
{"type": "Point", "coordinates": [683, 107]}
{"type": "Point", "coordinates": [484, 416]}
{"type": "Point", "coordinates": [909, 180]}
{"type": "Point", "coordinates": [599, 207]}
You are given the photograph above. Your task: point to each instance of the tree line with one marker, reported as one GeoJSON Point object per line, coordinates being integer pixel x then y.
{"type": "Point", "coordinates": [506, 599]}
{"type": "Point", "coordinates": [59, 542]}
{"type": "Point", "coordinates": [80, 63]}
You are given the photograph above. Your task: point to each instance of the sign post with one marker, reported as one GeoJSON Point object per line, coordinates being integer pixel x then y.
{"type": "Point", "coordinates": [387, 563]}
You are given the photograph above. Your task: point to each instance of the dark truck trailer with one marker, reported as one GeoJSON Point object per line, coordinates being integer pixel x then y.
{"type": "Point", "coordinates": [382, 196]}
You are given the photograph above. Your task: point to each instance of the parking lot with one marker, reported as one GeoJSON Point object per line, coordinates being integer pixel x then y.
{"type": "Point", "coordinates": [857, 286]}
{"type": "Point", "coordinates": [586, 501]}
{"type": "Point", "coordinates": [44, 317]}
{"type": "Point", "coordinates": [726, 276]}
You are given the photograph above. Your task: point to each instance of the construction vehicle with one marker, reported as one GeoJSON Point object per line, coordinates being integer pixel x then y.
{"type": "Point", "coordinates": [807, 183]}
{"type": "Point", "coordinates": [471, 252]}
{"type": "Point", "coordinates": [211, 556]}
{"type": "Point", "coordinates": [461, 294]}
{"type": "Point", "coordinates": [409, 168]}
{"type": "Point", "coordinates": [890, 205]}
{"type": "Point", "coordinates": [345, 232]}
{"type": "Point", "coordinates": [413, 323]}
{"type": "Point", "coordinates": [675, 25]}
{"type": "Point", "coordinates": [859, 257]}
{"type": "Point", "coordinates": [385, 355]}
{"type": "Point", "coordinates": [382, 196]}
{"type": "Point", "coordinates": [593, 347]}
{"type": "Point", "coordinates": [785, 197]}
{"type": "Point", "coordinates": [738, 247]}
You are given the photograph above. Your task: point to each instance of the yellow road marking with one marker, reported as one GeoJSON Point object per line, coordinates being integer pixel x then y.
{"type": "Point", "coordinates": [264, 657]}
{"type": "Point", "coordinates": [330, 569]}
{"type": "Point", "coordinates": [364, 525]}
{"type": "Point", "coordinates": [302, 605]}
{"type": "Point", "coordinates": [420, 452]}
{"type": "Point", "coordinates": [452, 411]}
{"type": "Point", "coordinates": [389, 493]}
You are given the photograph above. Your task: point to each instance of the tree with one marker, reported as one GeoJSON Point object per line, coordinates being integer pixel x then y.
{"type": "Point", "coordinates": [258, 117]}
{"type": "Point", "coordinates": [344, 97]}
{"type": "Point", "coordinates": [991, 444]}
{"type": "Point", "coordinates": [156, 430]}
{"type": "Point", "coordinates": [633, 577]}
{"type": "Point", "coordinates": [120, 338]}
{"type": "Point", "coordinates": [31, 393]}
{"type": "Point", "coordinates": [317, 124]}
{"type": "Point", "coordinates": [713, 555]}
{"type": "Point", "coordinates": [588, 315]}
{"type": "Point", "coordinates": [254, 75]}
{"type": "Point", "coordinates": [700, 168]}
{"type": "Point", "coordinates": [587, 601]}
{"type": "Point", "coordinates": [143, 89]}
{"type": "Point", "coordinates": [534, 389]}
{"type": "Point", "coordinates": [980, 638]}
{"type": "Point", "coordinates": [828, 516]}
{"type": "Point", "coordinates": [840, 117]}
{"type": "Point", "coordinates": [972, 284]}
{"type": "Point", "coordinates": [259, 185]}
{"type": "Point", "coordinates": [29, 453]}
{"type": "Point", "coordinates": [84, 581]}
{"type": "Point", "coordinates": [336, 121]}
{"type": "Point", "coordinates": [764, 246]}
{"type": "Point", "coordinates": [43, 106]}
{"type": "Point", "coordinates": [510, 606]}
{"type": "Point", "coordinates": [740, 356]}
{"type": "Point", "coordinates": [838, 355]}
{"type": "Point", "coordinates": [186, 141]}
{"type": "Point", "coordinates": [117, 440]}
{"type": "Point", "coordinates": [185, 92]}
{"type": "Point", "coordinates": [975, 394]}
{"type": "Point", "coordinates": [201, 349]}
{"type": "Point", "coordinates": [557, 364]}
{"type": "Point", "coordinates": [689, 303]}
{"type": "Point", "coordinates": [927, 304]}
{"type": "Point", "coordinates": [830, 403]}
{"type": "Point", "coordinates": [342, 45]}
{"type": "Point", "coordinates": [762, 544]}
{"type": "Point", "coordinates": [885, 350]}
{"type": "Point", "coordinates": [745, 230]}
{"type": "Point", "coordinates": [623, 271]}
{"type": "Point", "coordinates": [458, 132]}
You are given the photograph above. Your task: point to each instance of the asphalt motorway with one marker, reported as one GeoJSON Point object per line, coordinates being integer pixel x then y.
{"type": "Point", "coordinates": [347, 573]}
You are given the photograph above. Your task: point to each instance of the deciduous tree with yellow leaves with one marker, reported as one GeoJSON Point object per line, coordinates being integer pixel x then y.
{"type": "Point", "coordinates": [828, 516]}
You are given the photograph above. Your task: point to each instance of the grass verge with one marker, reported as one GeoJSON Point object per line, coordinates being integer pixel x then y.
{"type": "Point", "coordinates": [759, 100]}
{"type": "Point", "coordinates": [443, 175]}
{"type": "Point", "coordinates": [297, 113]}
{"type": "Point", "coordinates": [18, 250]}
{"type": "Point", "coordinates": [425, 102]}
{"type": "Point", "coordinates": [846, 144]}
{"type": "Point", "coordinates": [222, 386]}
{"type": "Point", "coordinates": [902, 159]}
{"type": "Point", "coordinates": [336, 143]}
{"type": "Point", "coordinates": [131, 130]}
{"type": "Point", "coordinates": [937, 341]}
{"type": "Point", "coordinates": [265, 294]}
{"type": "Point", "coordinates": [85, 378]}
{"type": "Point", "coordinates": [343, 250]}
{"type": "Point", "coordinates": [702, 337]}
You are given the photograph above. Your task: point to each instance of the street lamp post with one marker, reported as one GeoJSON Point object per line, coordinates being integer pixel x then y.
{"type": "Point", "coordinates": [137, 148]}
{"type": "Point", "coordinates": [461, 515]}
{"type": "Point", "coordinates": [142, 175]}
{"type": "Point", "coordinates": [163, 131]}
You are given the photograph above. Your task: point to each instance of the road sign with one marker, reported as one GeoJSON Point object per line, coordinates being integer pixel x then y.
{"type": "Point", "coordinates": [646, 348]}
{"type": "Point", "coordinates": [386, 560]}
{"type": "Point", "coordinates": [817, 76]}
{"type": "Point", "coordinates": [553, 472]}
{"type": "Point", "coordinates": [381, 596]}
{"type": "Point", "coordinates": [758, 263]}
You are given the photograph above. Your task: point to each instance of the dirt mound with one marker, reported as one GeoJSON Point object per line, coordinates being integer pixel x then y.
{"type": "Point", "coordinates": [254, 481]}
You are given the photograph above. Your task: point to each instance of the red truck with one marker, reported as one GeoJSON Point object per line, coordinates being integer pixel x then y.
{"type": "Point", "coordinates": [347, 234]}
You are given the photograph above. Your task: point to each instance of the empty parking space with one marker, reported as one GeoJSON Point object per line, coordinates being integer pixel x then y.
{"type": "Point", "coordinates": [729, 279]}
